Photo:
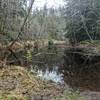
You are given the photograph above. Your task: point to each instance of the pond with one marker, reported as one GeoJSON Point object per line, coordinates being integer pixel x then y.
{"type": "Point", "coordinates": [52, 66]}
{"type": "Point", "coordinates": [47, 65]}
{"type": "Point", "coordinates": [56, 70]}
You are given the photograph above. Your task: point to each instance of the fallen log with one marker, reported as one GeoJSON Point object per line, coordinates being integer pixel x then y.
{"type": "Point", "coordinates": [82, 55]}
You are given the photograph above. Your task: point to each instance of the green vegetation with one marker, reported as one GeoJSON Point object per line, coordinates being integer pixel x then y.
{"type": "Point", "coordinates": [28, 55]}
{"type": "Point", "coordinates": [83, 20]}
{"type": "Point", "coordinates": [70, 95]}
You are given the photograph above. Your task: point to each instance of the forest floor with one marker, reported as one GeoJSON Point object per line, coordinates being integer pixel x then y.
{"type": "Point", "coordinates": [16, 83]}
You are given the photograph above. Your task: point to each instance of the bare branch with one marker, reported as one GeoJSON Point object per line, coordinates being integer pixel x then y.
{"type": "Point", "coordinates": [22, 27]}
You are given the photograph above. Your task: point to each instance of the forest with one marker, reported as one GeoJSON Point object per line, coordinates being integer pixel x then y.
{"type": "Point", "coordinates": [49, 49]}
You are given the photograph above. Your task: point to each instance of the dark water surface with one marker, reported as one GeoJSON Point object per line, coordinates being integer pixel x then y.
{"type": "Point", "coordinates": [48, 65]}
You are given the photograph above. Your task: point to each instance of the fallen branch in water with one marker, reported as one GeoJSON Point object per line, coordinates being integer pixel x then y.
{"type": "Point", "coordinates": [85, 54]}
{"type": "Point", "coordinates": [44, 53]}
{"type": "Point", "coordinates": [17, 61]}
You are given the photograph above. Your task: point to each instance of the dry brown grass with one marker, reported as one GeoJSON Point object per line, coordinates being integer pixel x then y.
{"type": "Point", "coordinates": [16, 82]}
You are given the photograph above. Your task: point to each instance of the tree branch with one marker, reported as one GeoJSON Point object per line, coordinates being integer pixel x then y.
{"type": "Point", "coordinates": [22, 27]}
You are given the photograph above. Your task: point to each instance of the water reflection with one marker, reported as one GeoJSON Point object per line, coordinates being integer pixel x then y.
{"type": "Point", "coordinates": [84, 81]}
{"type": "Point", "coordinates": [52, 75]}
{"type": "Point", "coordinates": [81, 76]}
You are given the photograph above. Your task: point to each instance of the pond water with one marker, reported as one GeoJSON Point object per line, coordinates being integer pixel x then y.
{"type": "Point", "coordinates": [53, 69]}
{"type": "Point", "coordinates": [50, 65]}
{"type": "Point", "coordinates": [47, 64]}
{"type": "Point", "coordinates": [53, 66]}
